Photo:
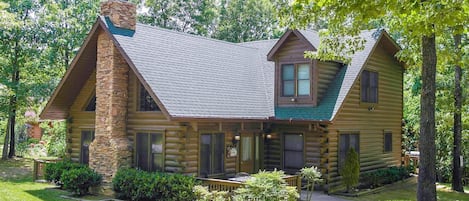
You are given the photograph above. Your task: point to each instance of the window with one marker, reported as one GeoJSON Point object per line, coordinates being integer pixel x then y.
{"type": "Point", "coordinates": [212, 154]}
{"type": "Point", "coordinates": [86, 138]}
{"type": "Point", "coordinates": [293, 156]}
{"type": "Point", "coordinates": [387, 142]}
{"type": "Point", "coordinates": [146, 102]}
{"type": "Point", "coordinates": [149, 151]}
{"type": "Point", "coordinates": [346, 142]}
{"type": "Point", "coordinates": [296, 80]}
{"type": "Point", "coordinates": [91, 104]}
{"type": "Point", "coordinates": [369, 87]}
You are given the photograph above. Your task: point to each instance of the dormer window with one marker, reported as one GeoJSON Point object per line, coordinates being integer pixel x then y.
{"type": "Point", "coordinates": [296, 80]}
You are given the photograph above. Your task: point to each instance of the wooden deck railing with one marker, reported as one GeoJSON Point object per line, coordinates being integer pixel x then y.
{"type": "Point", "coordinates": [220, 184]}
{"type": "Point", "coordinates": [227, 185]}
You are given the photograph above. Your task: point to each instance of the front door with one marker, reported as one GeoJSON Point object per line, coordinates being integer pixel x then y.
{"type": "Point", "coordinates": [249, 153]}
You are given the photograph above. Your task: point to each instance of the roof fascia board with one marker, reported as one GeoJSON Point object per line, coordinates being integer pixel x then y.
{"type": "Point", "coordinates": [72, 65]}
{"type": "Point", "coordinates": [134, 69]}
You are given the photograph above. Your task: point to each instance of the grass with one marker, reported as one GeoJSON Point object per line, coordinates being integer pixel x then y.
{"type": "Point", "coordinates": [16, 183]}
{"type": "Point", "coordinates": [406, 191]}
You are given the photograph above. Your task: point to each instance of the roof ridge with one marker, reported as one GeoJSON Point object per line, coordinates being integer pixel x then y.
{"type": "Point", "coordinates": [195, 36]}
{"type": "Point", "coordinates": [259, 41]}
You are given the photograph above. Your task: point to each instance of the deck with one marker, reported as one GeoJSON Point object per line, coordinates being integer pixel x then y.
{"type": "Point", "coordinates": [230, 186]}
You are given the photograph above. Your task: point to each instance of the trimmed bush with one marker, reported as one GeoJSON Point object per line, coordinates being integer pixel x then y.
{"type": "Point", "coordinates": [79, 180]}
{"type": "Point", "coordinates": [385, 176]}
{"type": "Point", "coordinates": [351, 170]}
{"type": "Point", "coordinates": [139, 185]}
{"type": "Point", "coordinates": [266, 186]}
{"type": "Point", "coordinates": [53, 171]}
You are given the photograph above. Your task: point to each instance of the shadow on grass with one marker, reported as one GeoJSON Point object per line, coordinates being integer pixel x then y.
{"type": "Point", "coordinates": [48, 194]}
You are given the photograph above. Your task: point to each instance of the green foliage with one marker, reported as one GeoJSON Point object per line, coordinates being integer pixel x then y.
{"type": "Point", "coordinates": [54, 134]}
{"type": "Point", "coordinates": [191, 16]}
{"type": "Point", "coordinates": [312, 175]}
{"type": "Point", "coordinates": [384, 176]}
{"type": "Point", "coordinates": [53, 171]}
{"type": "Point", "coordinates": [79, 180]}
{"type": "Point", "coordinates": [266, 186]}
{"type": "Point", "coordinates": [140, 185]}
{"type": "Point", "coordinates": [203, 194]}
{"type": "Point", "coordinates": [243, 21]}
{"type": "Point", "coordinates": [350, 171]}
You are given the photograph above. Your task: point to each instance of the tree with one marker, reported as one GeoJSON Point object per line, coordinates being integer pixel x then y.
{"type": "Point", "coordinates": [36, 46]}
{"type": "Point", "coordinates": [419, 23]}
{"type": "Point", "coordinates": [350, 171]}
{"type": "Point", "coordinates": [250, 20]}
{"type": "Point", "coordinates": [457, 128]}
{"type": "Point", "coordinates": [190, 16]}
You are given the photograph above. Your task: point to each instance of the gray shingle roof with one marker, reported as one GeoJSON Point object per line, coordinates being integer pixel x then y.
{"type": "Point", "coordinates": [197, 77]}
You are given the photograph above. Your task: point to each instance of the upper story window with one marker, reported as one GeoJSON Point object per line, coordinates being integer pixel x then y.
{"type": "Point", "coordinates": [296, 80]}
{"type": "Point", "coordinates": [146, 102]}
{"type": "Point", "coordinates": [91, 104]}
{"type": "Point", "coordinates": [369, 87]}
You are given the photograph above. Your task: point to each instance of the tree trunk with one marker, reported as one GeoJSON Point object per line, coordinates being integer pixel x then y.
{"type": "Point", "coordinates": [426, 190]}
{"type": "Point", "coordinates": [6, 142]}
{"type": "Point", "coordinates": [457, 127]}
{"type": "Point", "coordinates": [13, 101]}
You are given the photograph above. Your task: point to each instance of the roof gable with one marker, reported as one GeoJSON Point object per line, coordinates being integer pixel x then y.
{"type": "Point", "coordinates": [74, 79]}
{"type": "Point", "coordinates": [283, 39]}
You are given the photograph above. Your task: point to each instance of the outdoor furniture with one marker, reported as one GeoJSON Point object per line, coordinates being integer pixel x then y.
{"type": "Point", "coordinates": [39, 165]}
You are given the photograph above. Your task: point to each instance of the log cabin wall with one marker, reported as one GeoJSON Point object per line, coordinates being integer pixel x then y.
{"type": "Point", "coordinates": [327, 71]}
{"type": "Point", "coordinates": [174, 134]}
{"type": "Point", "coordinates": [314, 136]}
{"type": "Point", "coordinates": [370, 121]}
{"type": "Point", "coordinates": [80, 120]}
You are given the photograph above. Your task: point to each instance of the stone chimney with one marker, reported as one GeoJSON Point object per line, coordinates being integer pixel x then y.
{"type": "Point", "coordinates": [122, 14]}
{"type": "Point", "coordinates": [111, 149]}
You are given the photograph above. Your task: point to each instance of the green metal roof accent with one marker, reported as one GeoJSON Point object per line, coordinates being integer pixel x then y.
{"type": "Point", "coordinates": [322, 112]}
{"type": "Point", "coordinates": [117, 30]}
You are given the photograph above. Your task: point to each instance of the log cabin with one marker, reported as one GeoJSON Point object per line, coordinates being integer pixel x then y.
{"type": "Point", "coordinates": [159, 100]}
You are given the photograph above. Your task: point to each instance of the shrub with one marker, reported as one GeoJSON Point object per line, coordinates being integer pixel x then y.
{"type": "Point", "coordinates": [351, 170]}
{"type": "Point", "coordinates": [79, 180]}
{"type": "Point", "coordinates": [312, 175]}
{"type": "Point", "coordinates": [203, 194]}
{"type": "Point", "coordinates": [384, 176]}
{"type": "Point", "coordinates": [53, 171]}
{"type": "Point", "coordinates": [140, 185]}
{"type": "Point", "coordinates": [266, 186]}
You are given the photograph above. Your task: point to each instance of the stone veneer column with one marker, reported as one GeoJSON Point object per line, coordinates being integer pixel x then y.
{"type": "Point", "coordinates": [111, 148]}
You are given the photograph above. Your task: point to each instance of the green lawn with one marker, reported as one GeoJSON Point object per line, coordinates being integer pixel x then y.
{"type": "Point", "coordinates": [406, 190]}
{"type": "Point", "coordinates": [16, 183]}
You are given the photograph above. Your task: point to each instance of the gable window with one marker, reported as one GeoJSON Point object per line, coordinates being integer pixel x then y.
{"type": "Point", "coordinates": [369, 87]}
{"type": "Point", "coordinates": [145, 101]}
{"type": "Point", "coordinates": [293, 155]}
{"type": "Point", "coordinates": [149, 151]}
{"type": "Point", "coordinates": [347, 141]}
{"type": "Point", "coordinates": [212, 154]}
{"type": "Point", "coordinates": [296, 80]}
{"type": "Point", "coordinates": [86, 138]}
{"type": "Point", "coordinates": [91, 104]}
{"type": "Point", "coordinates": [387, 142]}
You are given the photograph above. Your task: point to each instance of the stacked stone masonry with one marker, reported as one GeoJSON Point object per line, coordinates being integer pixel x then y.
{"type": "Point", "coordinates": [111, 148]}
{"type": "Point", "coordinates": [121, 13]}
